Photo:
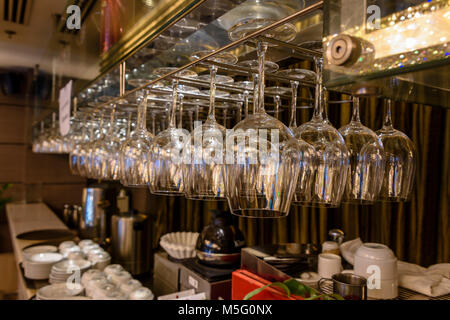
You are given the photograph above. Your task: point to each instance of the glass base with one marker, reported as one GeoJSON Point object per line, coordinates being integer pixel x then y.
{"type": "Point", "coordinates": [394, 199]}
{"type": "Point", "coordinates": [359, 201]}
{"type": "Point", "coordinates": [286, 32]}
{"type": "Point", "coordinates": [205, 198]}
{"type": "Point", "coordinates": [167, 193]}
{"type": "Point", "coordinates": [315, 204]}
{"type": "Point", "coordinates": [259, 213]}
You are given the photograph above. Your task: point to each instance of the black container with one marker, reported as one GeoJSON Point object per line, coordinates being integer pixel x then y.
{"type": "Point", "coordinates": [220, 243]}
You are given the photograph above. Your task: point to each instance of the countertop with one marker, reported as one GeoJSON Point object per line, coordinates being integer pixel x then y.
{"type": "Point", "coordinates": [23, 218]}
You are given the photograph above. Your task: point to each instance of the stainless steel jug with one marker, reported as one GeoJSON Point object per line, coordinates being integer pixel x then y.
{"type": "Point", "coordinates": [131, 242]}
{"type": "Point", "coordinates": [92, 221]}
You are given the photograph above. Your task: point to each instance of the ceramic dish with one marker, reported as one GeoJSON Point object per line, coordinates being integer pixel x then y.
{"type": "Point", "coordinates": [180, 245]}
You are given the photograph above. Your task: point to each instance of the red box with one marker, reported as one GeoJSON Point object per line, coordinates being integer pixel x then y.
{"type": "Point", "coordinates": [244, 282]}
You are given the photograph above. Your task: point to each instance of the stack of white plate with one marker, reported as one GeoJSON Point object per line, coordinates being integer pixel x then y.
{"type": "Point", "coordinates": [59, 291]}
{"type": "Point", "coordinates": [39, 265]}
{"type": "Point", "coordinates": [61, 271]}
{"type": "Point", "coordinates": [28, 252]}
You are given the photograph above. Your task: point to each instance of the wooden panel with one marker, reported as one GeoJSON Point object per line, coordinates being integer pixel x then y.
{"type": "Point", "coordinates": [12, 163]}
{"type": "Point", "coordinates": [8, 281]}
{"type": "Point", "coordinates": [57, 195]}
{"type": "Point", "coordinates": [49, 168]}
{"type": "Point", "coordinates": [12, 124]}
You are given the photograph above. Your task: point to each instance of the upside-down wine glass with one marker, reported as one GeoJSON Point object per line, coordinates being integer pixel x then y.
{"type": "Point", "coordinates": [329, 175]}
{"type": "Point", "coordinates": [135, 151]}
{"type": "Point", "coordinates": [203, 171]}
{"type": "Point", "coordinates": [263, 161]}
{"type": "Point", "coordinates": [165, 166]}
{"type": "Point", "coordinates": [366, 160]}
{"type": "Point", "coordinates": [400, 156]}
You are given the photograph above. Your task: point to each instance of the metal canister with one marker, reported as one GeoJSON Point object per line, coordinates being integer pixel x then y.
{"type": "Point", "coordinates": [131, 242]}
{"type": "Point", "coordinates": [92, 221]}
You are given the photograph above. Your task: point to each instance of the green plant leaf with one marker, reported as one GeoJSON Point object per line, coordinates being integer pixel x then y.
{"type": "Point", "coordinates": [273, 284]}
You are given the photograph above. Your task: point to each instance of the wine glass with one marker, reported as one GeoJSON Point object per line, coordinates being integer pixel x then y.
{"type": "Point", "coordinates": [85, 149]}
{"type": "Point", "coordinates": [135, 152]}
{"type": "Point", "coordinates": [401, 158]}
{"type": "Point", "coordinates": [329, 175]}
{"type": "Point", "coordinates": [204, 171]}
{"type": "Point", "coordinates": [37, 144]}
{"type": "Point", "coordinates": [77, 142]}
{"type": "Point", "coordinates": [165, 166]}
{"type": "Point", "coordinates": [262, 161]}
{"type": "Point", "coordinates": [105, 153]}
{"type": "Point", "coordinates": [366, 160]}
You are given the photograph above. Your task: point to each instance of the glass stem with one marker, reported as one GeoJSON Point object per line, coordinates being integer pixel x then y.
{"type": "Point", "coordinates": [100, 126]}
{"type": "Point", "coordinates": [388, 116]}
{"type": "Point", "coordinates": [180, 120]}
{"type": "Point", "coordinates": [225, 117]}
{"type": "Point", "coordinates": [191, 121]}
{"type": "Point", "coordinates": [111, 121]}
{"type": "Point", "coordinates": [255, 93]}
{"type": "Point", "coordinates": [197, 112]}
{"type": "Point", "coordinates": [246, 93]}
{"type": "Point", "coordinates": [355, 114]}
{"type": "Point", "coordinates": [293, 121]}
{"type": "Point", "coordinates": [277, 101]}
{"type": "Point", "coordinates": [42, 127]}
{"type": "Point", "coordinates": [142, 115]}
{"type": "Point", "coordinates": [153, 124]}
{"type": "Point", "coordinates": [239, 112]}
{"type": "Point", "coordinates": [325, 104]}
{"type": "Point", "coordinates": [318, 106]}
{"type": "Point", "coordinates": [129, 125]}
{"type": "Point", "coordinates": [262, 48]}
{"type": "Point", "coordinates": [212, 92]}
{"type": "Point", "coordinates": [53, 120]}
{"type": "Point", "coordinates": [173, 110]}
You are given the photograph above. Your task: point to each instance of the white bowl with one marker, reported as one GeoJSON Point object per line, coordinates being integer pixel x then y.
{"type": "Point", "coordinates": [372, 260]}
{"type": "Point", "coordinates": [59, 291]}
{"type": "Point", "coordinates": [46, 258]}
{"type": "Point", "coordinates": [142, 294]}
{"type": "Point", "coordinates": [180, 245]}
{"type": "Point", "coordinates": [113, 268]}
{"type": "Point", "coordinates": [85, 242]}
{"type": "Point", "coordinates": [28, 252]}
{"type": "Point", "coordinates": [120, 277]}
{"type": "Point", "coordinates": [66, 244]}
{"type": "Point", "coordinates": [130, 286]}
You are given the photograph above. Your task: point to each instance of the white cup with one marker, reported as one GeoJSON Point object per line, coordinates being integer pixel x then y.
{"type": "Point", "coordinates": [329, 265]}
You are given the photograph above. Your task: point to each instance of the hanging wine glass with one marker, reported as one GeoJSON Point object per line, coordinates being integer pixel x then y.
{"type": "Point", "coordinates": [400, 157]}
{"type": "Point", "coordinates": [76, 146]}
{"type": "Point", "coordinates": [134, 152]}
{"type": "Point", "coordinates": [54, 139]}
{"type": "Point", "coordinates": [165, 166]}
{"type": "Point", "coordinates": [366, 160]}
{"type": "Point", "coordinates": [37, 144]}
{"type": "Point", "coordinates": [105, 159]}
{"type": "Point", "coordinates": [263, 159]}
{"type": "Point", "coordinates": [204, 172]}
{"type": "Point", "coordinates": [84, 158]}
{"type": "Point", "coordinates": [330, 173]}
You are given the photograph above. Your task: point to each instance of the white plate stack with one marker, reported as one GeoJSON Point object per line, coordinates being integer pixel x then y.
{"type": "Point", "coordinates": [61, 271]}
{"type": "Point", "coordinates": [59, 291]}
{"type": "Point", "coordinates": [39, 265]}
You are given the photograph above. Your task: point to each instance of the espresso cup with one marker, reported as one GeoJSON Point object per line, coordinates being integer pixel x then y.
{"type": "Point", "coordinates": [347, 285]}
{"type": "Point", "coordinates": [329, 264]}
